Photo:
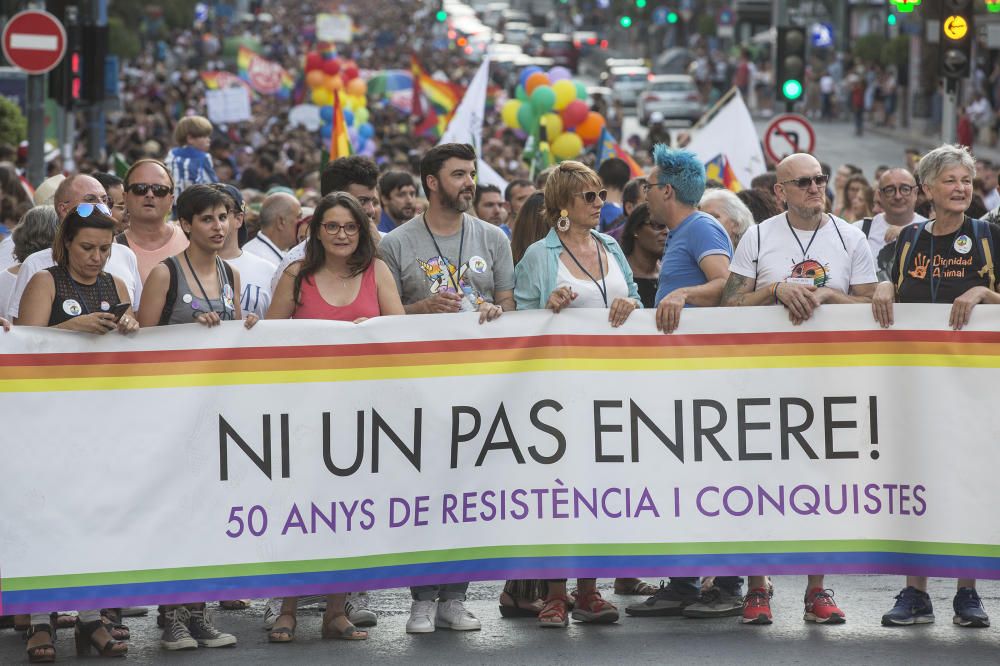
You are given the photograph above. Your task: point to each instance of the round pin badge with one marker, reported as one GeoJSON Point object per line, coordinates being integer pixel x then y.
{"type": "Point", "coordinates": [105, 306]}
{"type": "Point", "coordinates": [195, 304]}
{"type": "Point", "coordinates": [71, 307]}
{"type": "Point", "coordinates": [187, 298]}
{"type": "Point", "coordinates": [477, 264]}
{"type": "Point", "coordinates": [227, 292]}
{"type": "Point", "coordinates": [963, 244]}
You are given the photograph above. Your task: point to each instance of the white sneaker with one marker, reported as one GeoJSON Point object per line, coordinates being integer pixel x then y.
{"type": "Point", "coordinates": [421, 618]}
{"type": "Point", "coordinates": [358, 611]}
{"type": "Point", "coordinates": [271, 613]}
{"type": "Point", "coordinates": [452, 614]}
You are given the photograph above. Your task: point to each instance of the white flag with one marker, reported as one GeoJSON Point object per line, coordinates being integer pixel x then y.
{"type": "Point", "coordinates": [731, 133]}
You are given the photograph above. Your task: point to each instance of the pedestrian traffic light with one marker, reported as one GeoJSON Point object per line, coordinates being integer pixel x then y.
{"type": "Point", "coordinates": [993, 6]}
{"type": "Point", "coordinates": [956, 40]}
{"type": "Point", "coordinates": [671, 17]}
{"type": "Point", "coordinates": [905, 6]}
{"type": "Point", "coordinates": [640, 3]}
{"type": "Point", "coordinates": [790, 64]}
{"type": "Point", "coordinates": [625, 21]}
{"type": "Point", "coordinates": [441, 16]}
{"type": "Point", "coordinates": [891, 19]}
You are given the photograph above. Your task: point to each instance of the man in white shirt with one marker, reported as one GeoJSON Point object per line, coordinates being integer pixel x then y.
{"type": "Point", "coordinates": [122, 262]}
{"type": "Point", "coordinates": [279, 214]}
{"type": "Point", "coordinates": [255, 273]}
{"type": "Point", "coordinates": [988, 174]}
{"type": "Point", "coordinates": [897, 195]}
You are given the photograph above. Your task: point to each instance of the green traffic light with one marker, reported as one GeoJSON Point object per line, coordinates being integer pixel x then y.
{"type": "Point", "coordinates": [640, 3]}
{"type": "Point", "coordinates": [625, 21]}
{"type": "Point", "coordinates": [672, 17]}
{"type": "Point", "coordinates": [791, 89]}
{"type": "Point", "coordinates": [442, 15]}
{"type": "Point", "coordinates": [891, 20]}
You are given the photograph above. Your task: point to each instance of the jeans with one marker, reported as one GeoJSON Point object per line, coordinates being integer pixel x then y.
{"type": "Point", "coordinates": [446, 592]}
{"type": "Point", "coordinates": [731, 584]}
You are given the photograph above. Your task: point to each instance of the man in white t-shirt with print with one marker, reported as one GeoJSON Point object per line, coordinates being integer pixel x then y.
{"type": "Point", "coordinates": [801, 259]}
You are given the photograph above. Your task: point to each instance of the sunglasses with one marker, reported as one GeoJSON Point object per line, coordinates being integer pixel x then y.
{"type": "Point", "coordinates": [87, 209]}
{"type": "Point", "coordinates": [804, 182]}
{"type": "Point", "coordinates": [657, 226]}
{"type": "Point", "coordinates": [591, 197]}
{"type": "Point", "coordinates": [332, 228]}
{"type": "Point", "coordinates": [140, 189]}
{"type": "Point", "coordinates": [890, 190]}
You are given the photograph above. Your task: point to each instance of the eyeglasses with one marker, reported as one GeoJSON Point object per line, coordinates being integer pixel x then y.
{"type": "Point", "coordinates": [332, 228]}
{"type": "Point", "coordinates": [656, 226]}
{"type": "Point", "coordinates": [87, 209]}
{"type": "Point", "coordinates": [140, 189]}
{"type": "Point", "coordinates": [645, 186]}
{"type": "Point", "coordinates": [591, 197]}
{"type": "Point", "coordinates": [904, 190]}
{"type": "Point", "coordinates": [804, 182]}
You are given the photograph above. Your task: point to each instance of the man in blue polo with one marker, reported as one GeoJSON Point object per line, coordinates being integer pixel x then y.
{"type": "Point", "coordinates": [693, 272]}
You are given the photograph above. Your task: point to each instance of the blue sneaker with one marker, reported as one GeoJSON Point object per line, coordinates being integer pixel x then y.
{"type": "Point", "coordinates": [912, 607]}
{"type": "Point", "coordinates": [969, 611]}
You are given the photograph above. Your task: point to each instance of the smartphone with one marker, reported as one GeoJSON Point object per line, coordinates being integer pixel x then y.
{"type": "Point", "coordinates": [118, 311]}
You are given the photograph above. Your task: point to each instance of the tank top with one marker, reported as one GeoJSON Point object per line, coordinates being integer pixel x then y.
{"type": "Point", "coordinates": [74, 299]}
{"type": "Point", "coordinates": [191, 301]}
{"type": "Point", "coordinates": [588, 294]}
{"type": "Point", "coordinates": [314, 306]}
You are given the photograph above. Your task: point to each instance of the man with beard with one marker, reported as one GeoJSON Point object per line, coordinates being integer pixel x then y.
{"type": "Point", "coordinates": [488, 205]}
{"type": "Point", "coordinates": [399, 198]}
{"type": "Point", "coordinates": [801, 259]}
{"type": "Point", "coordinates": [447, 260]}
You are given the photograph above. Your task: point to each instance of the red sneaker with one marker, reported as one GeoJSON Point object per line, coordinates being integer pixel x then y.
{"type": "Point", "coordinates": [821, 608]}
{"type": "Point", "coordinates": [757, 607]}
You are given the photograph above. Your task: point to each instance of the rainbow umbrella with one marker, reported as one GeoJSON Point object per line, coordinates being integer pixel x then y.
{"type": "Point", "coordinates": [389, 81]}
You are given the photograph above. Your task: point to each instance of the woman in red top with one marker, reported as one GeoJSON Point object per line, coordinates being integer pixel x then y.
{"type": "Point", "coordinates": [341, 278]}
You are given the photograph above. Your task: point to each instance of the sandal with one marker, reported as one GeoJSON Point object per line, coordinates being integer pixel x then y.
{"type": "Point", "coordinates": [555, 613]}
{"type": "Point", "coordinates": [519, 607]}
{"type": "Point", "coordinates": [62, 620]}
{"type": "Point", "coordinates": [113, 623]}
{"type": "Point", "coordinates": [42, 653]}
{"type": "Point", "coordinates": [281, 633]}
{"type": "Point", "coordinates": [633, 587]}
{"type": "Point", "coordinates": [348, 633]}
{"type": "Point", "coordinates": [591, 607]}
{"type": "Point", "coordinates": [87, 641]}
{"type": "Point", "coordinates": [235, 604]}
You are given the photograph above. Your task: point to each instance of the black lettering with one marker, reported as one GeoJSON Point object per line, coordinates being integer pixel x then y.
{"type": "Point", "coordinates": [701, 432]}
{"type": "Point", "coordinates": [743, 426]}
{"type": "Point", "coordinates": [456, 438]}
{"type": "Point", "coordinates": [379, 426]}
{"type": "Point", "coordinates": [509, 443]}
{"type": "Point", "coordinates": [227, 432]}
{"type": "Point", "coordinates": [830, 425]}
{"type": "Point", "coordinates": [795, 431]}
{"type": "Point", "coordinates": [359, 453]}
{"type": "Point", "coordinates": [636, 415]}
{"type": "Point", "coordinates": [599, 455]}
{"type": "Point", "coordinates": [549, 430]}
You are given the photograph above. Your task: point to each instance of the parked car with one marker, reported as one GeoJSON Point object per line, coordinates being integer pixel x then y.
{"type": "Point", "coordinates": [626, 82]}
{"type": "Point", "coordinates": [561, 49]}
{"type": "Point", "coordinates": [673, 61]}
{"type": "Point", "coordinates": [517, 33]}
{"type": "Point", "coordinates": [673, 96]}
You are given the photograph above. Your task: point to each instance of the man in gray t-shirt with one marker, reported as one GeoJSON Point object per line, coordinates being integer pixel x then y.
{"type": "Point", "coordinates": [449, 261]}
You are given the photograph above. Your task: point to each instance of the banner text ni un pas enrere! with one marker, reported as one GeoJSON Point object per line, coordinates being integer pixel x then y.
{"type": "Point", "coordinates": [186, 464]}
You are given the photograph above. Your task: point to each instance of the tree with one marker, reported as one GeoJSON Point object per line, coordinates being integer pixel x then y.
{"type": "Point", "coordinates": [13, 125]}
{"type": "Point", "coordinates": [122, 41]}
{"type": "Point", "coordinates": [868, 48]}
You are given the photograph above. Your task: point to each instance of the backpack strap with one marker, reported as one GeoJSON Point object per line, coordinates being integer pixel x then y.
{"type": "Point", "coordinates": [908, 238]}
{"type": "Point", "coordinates": [984, 242]}
{"type": "Point", "coordinates": [866, 226]}
{"type": "Point", "coordinates": [122, 239]}
{"type": "Point", "coordinates": [168, 304]}
{"type": "Point", "coordinates": [756, 262]}
{"type": "Point", "coordinates": [229, 274]}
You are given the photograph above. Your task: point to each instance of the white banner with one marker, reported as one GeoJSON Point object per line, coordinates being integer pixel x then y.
{"type": "Point", "coordinates": [185, 463]}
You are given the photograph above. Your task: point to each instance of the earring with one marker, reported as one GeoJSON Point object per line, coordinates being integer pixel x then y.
{"type": "Point", "coordinates": [562, 224]}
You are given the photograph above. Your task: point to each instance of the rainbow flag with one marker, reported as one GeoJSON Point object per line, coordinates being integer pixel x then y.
{"type": "Point", "coordinates": [608, 148]}
{"type": "Point", "coordinates": [443, 95]}
{"type": "Point", "coordinates": [718, 168]}
{"type": "Point", "coordinates": [264, 76]}
{"type": "Point", "coordinates": [340, 142]}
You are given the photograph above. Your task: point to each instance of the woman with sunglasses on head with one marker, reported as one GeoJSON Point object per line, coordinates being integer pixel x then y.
{"type": "Point", "coordinates": [575, 266]}
{"type": "Point", "coordinates": [642, 241]}
{"type": "Point", "coordinates": [341, 278]}
{"type": "Point", "coordinates": [78, 295]}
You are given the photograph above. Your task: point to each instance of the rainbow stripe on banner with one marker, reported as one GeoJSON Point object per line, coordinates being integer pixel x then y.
{"type": "Point", "coordinates": [533, 353]}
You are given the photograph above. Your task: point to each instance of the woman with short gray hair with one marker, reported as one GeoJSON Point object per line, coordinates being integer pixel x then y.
{"type": "Point", "coordinates": [33, 233]}
{"type": "Point", "coordinates": [933, 164]}
{"type": "Point", "coordinates": [727, 208]}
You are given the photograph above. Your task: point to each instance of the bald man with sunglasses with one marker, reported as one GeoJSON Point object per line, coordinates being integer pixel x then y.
{"type": "Point", "coordinates": [149, 198]}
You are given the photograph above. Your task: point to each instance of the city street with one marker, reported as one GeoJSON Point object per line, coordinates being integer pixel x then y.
{"type": "Point", "coordinates": [862, 640]}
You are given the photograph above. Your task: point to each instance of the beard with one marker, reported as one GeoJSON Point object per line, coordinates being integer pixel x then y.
{"type": "Point", "coordinates": [402, 214]}
{"type": "Point", "coordinates": [455, 202]}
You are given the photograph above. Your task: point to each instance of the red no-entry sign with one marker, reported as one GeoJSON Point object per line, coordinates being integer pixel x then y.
{"type": "Point", "coordinates": [788, 133]}
{"type": "Point", "coordinates": [34, 41]}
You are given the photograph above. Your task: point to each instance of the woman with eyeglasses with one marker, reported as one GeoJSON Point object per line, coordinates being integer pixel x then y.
{"type": "Point", "coordinates": [341, 278]}
{"type": "Point", "coordinates": [575, 266]}
{"type": "Point", "coordinates": [642, 242]}
{"type": "Point", "coordinates": [78, 295]}
{"type": "Point", "coordinates": [948, 259]}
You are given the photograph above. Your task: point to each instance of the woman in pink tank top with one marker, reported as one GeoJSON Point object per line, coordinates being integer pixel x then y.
{"type": "Point", "coordinates": [341, 278]}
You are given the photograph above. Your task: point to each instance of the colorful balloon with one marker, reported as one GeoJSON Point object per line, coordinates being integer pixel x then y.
{"type": "Point", "coordinates": [574, 114]}
{"type": "Point", "coordinates": [567, 146]}
{"type": "Point", "coordinates": [322, 97]}
{"type": "Point", "coordinates": [366, 131]}
{"type": "Point", "coordinates": [520, 94]}
{"type": "Point", "coordinates": [316, 79]}
{"type": "Point", "coordinates": [334, 82]}
{"type": "Point", "coordinates": [348, 117]}
{"type": "Point", "coordinates": [542, 99]}
{"type": "Point", "coordinates": [314, 61]}
{"type": "Point", "coordinates": [331, 67]}
{"type": "Point", "coordinates": [565, 91]}
{"type": "Point", "coordinates": [357, 87]}
{"type": "Point", "coordinates": [526, 72]}
{"type": "Point", "coordinates": [535, 80]}
{"type": "Point", "coordinates": [590, 129]}
{"type": "Point", "coordinates": [559, 73]}
{"type": "Point", "coordinates": [553, 125]}
{"type": "Point", "coordinates": [509, 113]}
{"type": "Point", "coordinates": [581, 91]}
{"type": "Point", "coordinates": [361, 115]}
{"type": "Point", "coordinates": [527, 119]}
{"type": "Point", "coordinates": [350, 72]}
{"type": "Point", "coordinates": [326, 114]}
{"type": "Point", "coordinates": [326, 131]}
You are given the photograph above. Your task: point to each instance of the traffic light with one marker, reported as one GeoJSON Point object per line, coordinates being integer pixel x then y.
{"type": "Point", "coordinates": [905, 6]}
{"type": "Point", "coordinates": [891, 19]}
{"type": "Point", "coordinates": [956, 40]}
{"type": "Point", "coordinates": [672, 17]}
{"type": "Point", "coordinates": [790, 64]}
{"type": "Point", "coordinates": [88, 87]}
{"type": "Point", "coordinates": [993, 6]}
{"type": "Point", "coordinates": [625, 21]}
{"type": "Point", "coordinates": [441, 16]}
{"type": "Point", "coordinates": [640, 3]}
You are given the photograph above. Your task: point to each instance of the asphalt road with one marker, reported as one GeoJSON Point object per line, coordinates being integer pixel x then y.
{"type": "Point", "coordinates": [632, 640]}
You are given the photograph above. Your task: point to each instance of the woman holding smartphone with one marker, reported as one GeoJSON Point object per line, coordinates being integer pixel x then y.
{"type": "Point", "coordinates": [78, 295]}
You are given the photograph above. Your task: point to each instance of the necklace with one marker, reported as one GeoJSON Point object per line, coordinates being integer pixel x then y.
{"type": "Point", "coordinates": [73, 283]}
{"type": "Point", "coordinates": [204, 293]}
{"type": "Point", "coordinates": [601, 286]}
{"type": "Point", "coordinates": [805, 250]}
{"type": "Point", "coordinates": [461, 247]}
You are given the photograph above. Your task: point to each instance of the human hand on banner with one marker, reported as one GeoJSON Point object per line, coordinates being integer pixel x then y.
{"type": "Point", "coordinates": [961, 308]}
{"type": "Point", "coordinates": [560, 298]}
{"type": "Point", "coordinates": [250, 321]}
{"type": "Point", "coordinates": [443, 301]}
{"type": "Point", "coordinates": [882, 300]}
{"type": "Point", "coordinates": [489, 312]}
{"type": "Point", "coordinates": [208, 319]}
{"type": "Point", "coordinates": [95, 322]}
{"type": "Point", "coordinates": [127, 325]}
{"type": "Point", "coordinates": [621, 308]}
{"type": "Point", "coordinates": [5, 324]}
{"type": "Point", "coordinates": [668, 312]}
{"type": "Point", "coordinates": [799, 299]}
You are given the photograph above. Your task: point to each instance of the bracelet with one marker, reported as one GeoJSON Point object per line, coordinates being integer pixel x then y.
{"type": "Point", "coordinates": [774, 292]}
